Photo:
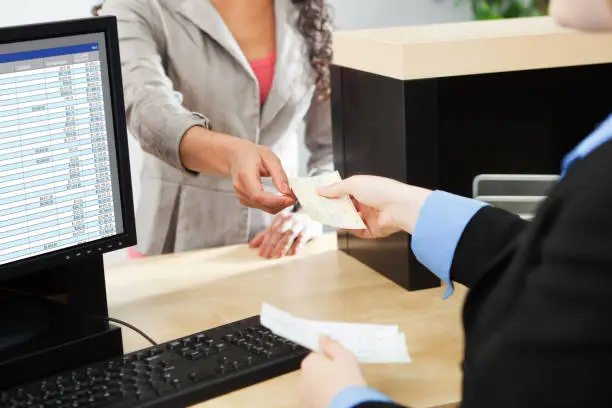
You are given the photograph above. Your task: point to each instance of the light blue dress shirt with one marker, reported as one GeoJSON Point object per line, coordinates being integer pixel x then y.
{"type": "Point", "coordinates": [442, 220]}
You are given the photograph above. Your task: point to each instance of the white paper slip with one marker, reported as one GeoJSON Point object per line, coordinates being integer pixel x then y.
{"type": "Point", "coordinates": [399, 354]}
{"type": "Point", "coordinates": [338, 213]}
{"type": "Point", "coordinates": [369, 343]}
{"type": "Point", "coordinates": [363, 339]}
{"type": "Point", "coordinates": [284, 325]}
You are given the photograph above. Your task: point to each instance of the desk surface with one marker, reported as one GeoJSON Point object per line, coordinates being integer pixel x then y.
{"type": "Point", "coordinates": [466, 48]}
{"type": "Point", "coordinates": [179, 294]}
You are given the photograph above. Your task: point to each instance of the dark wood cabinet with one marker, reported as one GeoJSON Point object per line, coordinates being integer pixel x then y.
{"type": "Point", "coordinates": [480, 98]}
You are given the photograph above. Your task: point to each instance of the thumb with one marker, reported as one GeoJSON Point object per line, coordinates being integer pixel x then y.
{"type": "Point", "coordinates": [336, 190]}
{"type": "Point", "coordinates": [330, 348]}
{"type": "Point", "coordinates": [275, 169]}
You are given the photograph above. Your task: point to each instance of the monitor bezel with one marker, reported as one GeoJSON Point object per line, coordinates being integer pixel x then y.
{"type": "Point", "coordinates": [106, 25]}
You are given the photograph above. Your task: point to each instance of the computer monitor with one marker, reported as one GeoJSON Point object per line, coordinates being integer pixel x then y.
{"type": "Point", "coordinates": [65, 189]}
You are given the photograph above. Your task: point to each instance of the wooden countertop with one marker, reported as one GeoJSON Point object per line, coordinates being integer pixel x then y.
{"type": "Point", "coordinates": [176, 295]}
{"type": "Point", "coordinates": [465, 48]}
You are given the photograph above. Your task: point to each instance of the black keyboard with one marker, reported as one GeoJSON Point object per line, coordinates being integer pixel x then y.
{"type": "Point", "coordinates": [179, 373]}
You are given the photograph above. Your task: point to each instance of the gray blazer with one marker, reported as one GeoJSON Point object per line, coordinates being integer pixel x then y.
{"type": "Point", "coordinates": [182, 67]}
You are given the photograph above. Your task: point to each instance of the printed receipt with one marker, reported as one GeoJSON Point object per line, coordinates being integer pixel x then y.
{"type": "Point", "coordinates": [338, 213]}
{"type": "Point", "coordinates": [370, 343]}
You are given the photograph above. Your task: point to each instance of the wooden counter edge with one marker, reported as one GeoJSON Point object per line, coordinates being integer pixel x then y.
{"type": "Point", "coordinates": [467, 48]}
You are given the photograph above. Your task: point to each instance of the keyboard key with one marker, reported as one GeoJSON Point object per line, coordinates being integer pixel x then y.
{"type": "Point", "coordinates": [141, 355]}
{"type": "Point", "coordinates": [194, 355]}
{"type": "Point", "coordinates": [152, 359]}
{"type": "Point", "coordinates": [282, 350]}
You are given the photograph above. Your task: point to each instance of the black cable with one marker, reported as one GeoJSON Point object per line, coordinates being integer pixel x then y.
{"type": "Point", "coordinates": [121, 322]}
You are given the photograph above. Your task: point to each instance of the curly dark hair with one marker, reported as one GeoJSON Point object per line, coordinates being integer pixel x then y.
{"type": "Point", "coordinates": [314, 23]}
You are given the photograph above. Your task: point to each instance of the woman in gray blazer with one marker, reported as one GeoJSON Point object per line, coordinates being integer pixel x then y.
{"type": "Point", "coordinates": [216, 93]}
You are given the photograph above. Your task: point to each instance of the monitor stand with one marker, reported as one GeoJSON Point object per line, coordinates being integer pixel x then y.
{"type": "Point", "coordinates": [60, 323]}
{"type": "Point", "coordinates": [21, 318]}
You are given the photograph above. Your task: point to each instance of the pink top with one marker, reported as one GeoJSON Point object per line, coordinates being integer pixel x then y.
{"type": "Point", "coordinates": [264, 72]}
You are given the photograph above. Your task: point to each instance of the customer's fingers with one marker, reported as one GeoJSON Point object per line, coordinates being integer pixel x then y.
{"type": "Point", "coordinates": [247, 201]}
{"type": "Point", "coordinates": [258, 239]}
{"type": "Point", "coordinates": [286, 244]}
{"type": "Point", "coordinates": [273, 235]}
{"type": "Point", "coordinates": [294, 246]}
{"type": "Point", "coordinates": [274, 167]}
{"type": "Point", "coordinates": [290, 229]}
{"type": "Point", "coordinates": [250, 191]}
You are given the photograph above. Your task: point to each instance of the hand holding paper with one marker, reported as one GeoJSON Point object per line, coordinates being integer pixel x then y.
{"type": "Point", "coordinates": [339, 213]}
{"type": "Point", "coordinates": [370, 343]}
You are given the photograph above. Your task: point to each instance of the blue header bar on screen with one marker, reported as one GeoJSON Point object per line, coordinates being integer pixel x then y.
{"type": "Point", "coordinates": [48, 52]}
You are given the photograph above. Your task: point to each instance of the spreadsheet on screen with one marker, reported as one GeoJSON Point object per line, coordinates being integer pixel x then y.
{"type": "Point", "coordinates": [57, 154]}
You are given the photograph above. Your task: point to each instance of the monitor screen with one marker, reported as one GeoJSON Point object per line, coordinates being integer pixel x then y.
{"type": "Point", "coordinates": [59, 183]}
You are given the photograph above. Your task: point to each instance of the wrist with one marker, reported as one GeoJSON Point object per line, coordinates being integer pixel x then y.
{"type": "Point", "coordinates": [205, 151]}
{"type": "Point", "coordinates": [405, 214]}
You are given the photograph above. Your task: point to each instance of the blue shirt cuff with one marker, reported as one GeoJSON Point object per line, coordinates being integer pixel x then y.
{"type": "Point", "coordinates": [442, 220]}
{"type": "Point", "coordinates": [352, 396]}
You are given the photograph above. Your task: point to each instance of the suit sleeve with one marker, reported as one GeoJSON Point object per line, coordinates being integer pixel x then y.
{"type": "Point", "coordinates": [456, 237]}
{"type": "Point", "coordinates": [553, 346]}
{"type": "Point", "coordinates": [486, 238]}
{"type": "Point", "coordinates": [155, 114]}
{"type": "Point", "coordinates": [441, 222]}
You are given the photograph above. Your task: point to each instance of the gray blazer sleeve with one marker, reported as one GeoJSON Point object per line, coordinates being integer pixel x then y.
{"type": "Point", "coordinates": [318, 137]}
{"type": "Point", "coordinates": [155, 114]}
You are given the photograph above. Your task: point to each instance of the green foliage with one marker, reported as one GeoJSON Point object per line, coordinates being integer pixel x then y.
{"type": "Point", "coordinates": [497, 9]}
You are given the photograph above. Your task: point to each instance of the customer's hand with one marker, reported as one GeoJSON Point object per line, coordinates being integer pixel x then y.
{"type": "Point", "coordinates": [209, 152]}
{"type": "Point", "coordinates": [386, 206]}
{"type": "Point", "coordinates": [249, 163]}
{"type": "Point", "coordinates": [287, 234]}
{"type": "Point", "coordinates": [324, 375]}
